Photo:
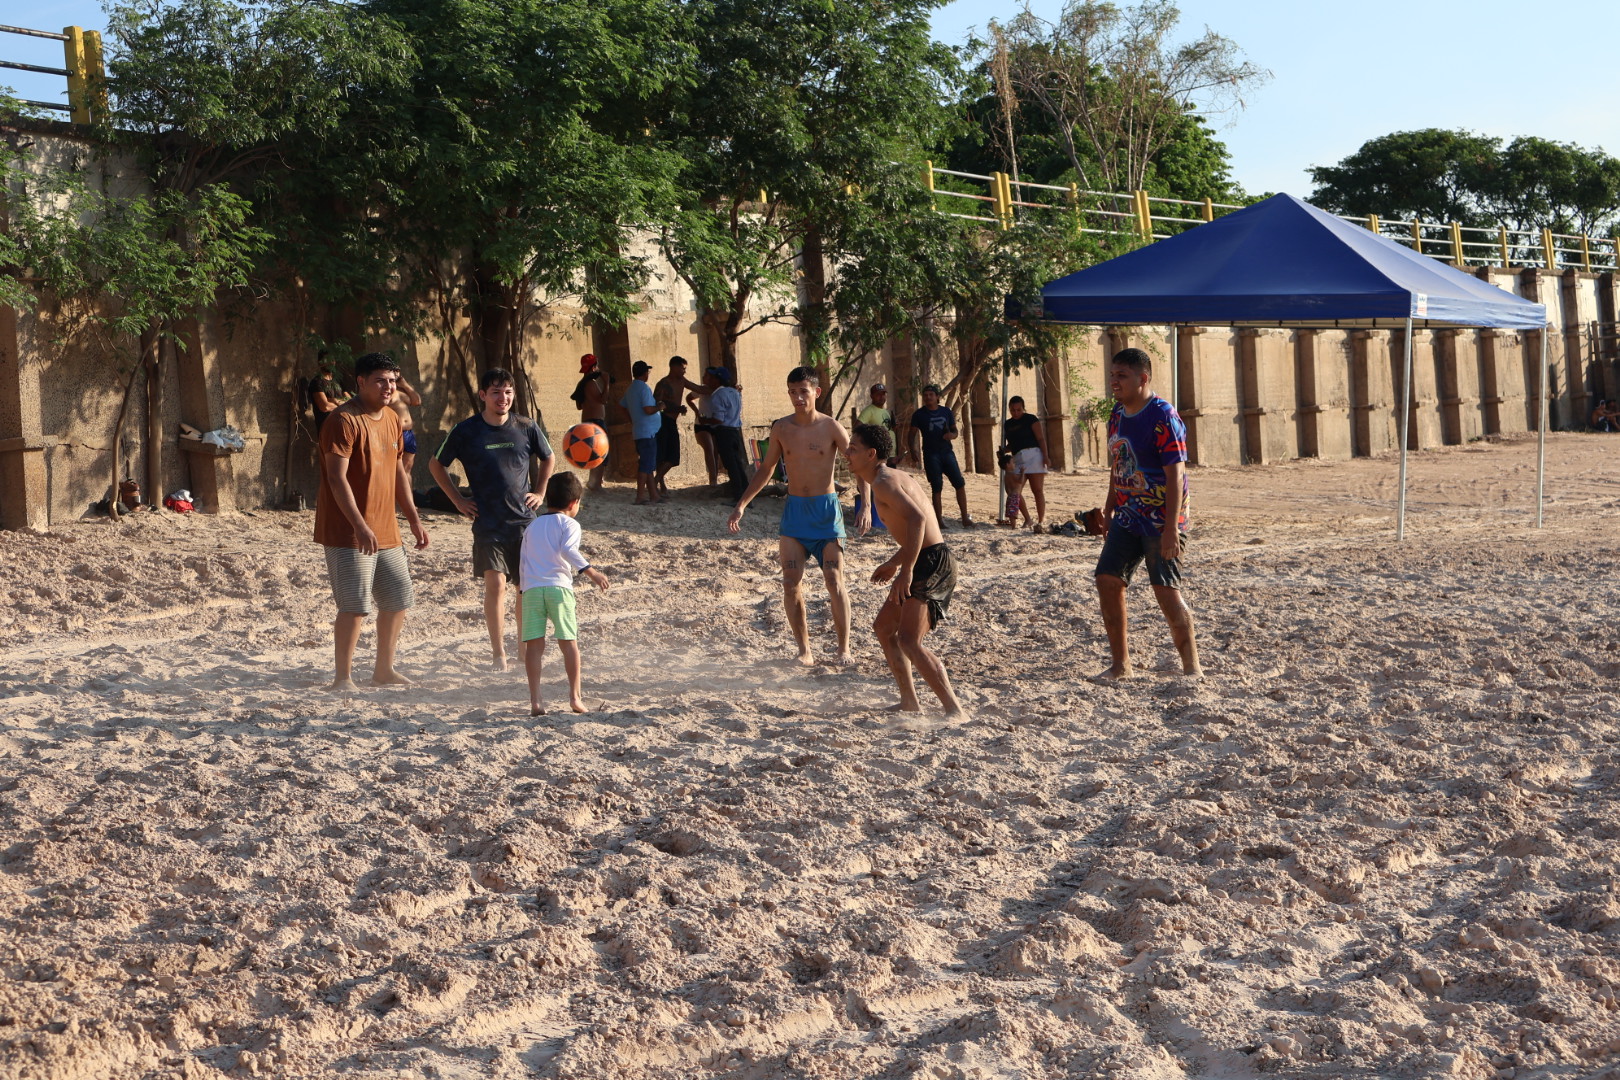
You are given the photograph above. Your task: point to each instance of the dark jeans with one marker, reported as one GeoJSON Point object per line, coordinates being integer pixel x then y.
{"type": "Point", "coordinates": [728, 446]}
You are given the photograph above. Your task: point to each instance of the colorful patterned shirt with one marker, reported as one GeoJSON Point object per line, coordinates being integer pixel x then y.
{"type": "Point", "coordinates": [1139, 447]}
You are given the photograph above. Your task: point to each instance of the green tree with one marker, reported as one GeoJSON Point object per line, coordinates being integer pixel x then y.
{"type": "Point", "coordinates": [787, 139]}
{"type": "Point", "coordinates": [1560, 186]}
{"type": "Point", "coordinates": [1432, 174]}
{"type": "Point", "coordinates": [505, 173]}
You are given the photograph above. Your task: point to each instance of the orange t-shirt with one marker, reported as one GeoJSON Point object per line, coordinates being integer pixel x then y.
{"type": "Point", "coordinates": [373, 447]}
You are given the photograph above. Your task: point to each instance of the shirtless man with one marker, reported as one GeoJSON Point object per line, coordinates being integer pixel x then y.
{"type": "Point", "coordinates": [405, 399]}
{"type": "Point", "coordinates": [812, 520]}
{"type": "Point", "coordinates": [924, 571]}
{"type": "Point", "coordinates": [671, 389]}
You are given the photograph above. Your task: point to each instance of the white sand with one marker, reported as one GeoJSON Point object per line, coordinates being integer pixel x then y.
{"type": "Point", "coordinates": [1380, 839]}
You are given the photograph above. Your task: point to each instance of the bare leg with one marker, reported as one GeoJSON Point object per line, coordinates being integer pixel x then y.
{"type": "Point", "coordinates": [1111, 595]}
{"type": "Point", "coordinates": [1179, 616]}
{"type": "Point", "coordinates": [961, 504]}
{"type": "Point", "coordinates": [534, 659]}
{"type": "Point", "coordinates": [832, 571]}
{"type": "Point", "coordinates": [570, 655]}
{"type": "Point", "coordinates": [345, 637]}
{"type": "Point", "coordinates": [389, 624]}
{"type": "Point", "coordinates": [495, 616]}
{"type": "Point", "coordinates": [913, 628]}
{"type": "Point", "coordinates": [711, 460]}
{"type": "Point", "coordinates": [887, 628]}
{"type": "Point", "coordinates": [662, 488]}
{"type": "Point", "coordinates": [599, 473]}
{"type": "Point", "coordinates": [1037, 487]}
{"type": "Point", "coordinates": [793, 556]}
{"type": "Point", "coordinates": [409, 461]}
{"type": "Point", "coordinates": [939, 513]}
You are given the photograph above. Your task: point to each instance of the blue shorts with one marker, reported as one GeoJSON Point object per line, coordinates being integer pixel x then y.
{"type": "Point", "coordinates": [940, 465]}
{"type": "Point", "coordinates": [647, 454]}
{"type": "Point", "coordinates": [409, 442]}
{"type": "Point", "coordinates": [814, 521]}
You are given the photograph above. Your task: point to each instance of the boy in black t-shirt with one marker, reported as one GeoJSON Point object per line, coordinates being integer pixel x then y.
{"type": "Point", "coordinates": [508, 462]}
{"type": "Point", "coordinates": [937, 427]}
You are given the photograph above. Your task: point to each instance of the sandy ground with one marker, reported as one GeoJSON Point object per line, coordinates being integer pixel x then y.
{"type": "Point", "coordinates": [1379, 840]}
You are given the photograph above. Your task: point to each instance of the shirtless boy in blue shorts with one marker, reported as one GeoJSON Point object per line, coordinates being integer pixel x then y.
{"type": "Point", "coordinates": [808, 443]}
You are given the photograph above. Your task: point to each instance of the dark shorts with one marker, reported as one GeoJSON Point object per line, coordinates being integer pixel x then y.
{"type": "Point", "coordinates": [647, 454]}
{"type": "Point", "coordinates": [1123, 550]}
{"type": "Point", "coordinates": [669, 441]}
{"type": "Point", "coordinates": [940, 466]}
{"type": "Point", "coordinates": [704, 427]}
{"type": "Point", "coordinates": [503, 555]}
{"type": "Point", "coordinates": [933, 581]}
{"type": "Point", "coordinates": [409, 441]}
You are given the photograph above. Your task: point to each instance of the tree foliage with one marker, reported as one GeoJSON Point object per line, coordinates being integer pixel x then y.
{"type": "Point", "coordinates": [1477, 180]}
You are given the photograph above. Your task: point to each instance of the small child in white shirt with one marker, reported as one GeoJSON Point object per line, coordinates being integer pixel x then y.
{"type": "Point", "coordinates": [549, 559]}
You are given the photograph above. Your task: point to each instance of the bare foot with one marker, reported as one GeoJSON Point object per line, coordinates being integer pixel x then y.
{"type": "Point", "coordinates": [905, 706]}
{"type": "Point", "coordinates": [499, 663]}
{"type": "Point", "coordinates": [1193, 673]}
{"type": "Point", "coordinates": [343, 686]}
{"type": "Point", "coordinates": [956, 712]}
{"type": "Point", "coordinates": [806, 659]}
{"type": "Point", "coordinates": [577, 705]}
{"type": "Point", "coordinates": [391, 678]}
{"type": "Point", "coordinates": [843, 659]}
{"type": "Point", "coordinates": [967, 523]}
{"type": "Point", "coordinates": [1116, 672]}
{"type": "Point", "coordinates": [536, 709]}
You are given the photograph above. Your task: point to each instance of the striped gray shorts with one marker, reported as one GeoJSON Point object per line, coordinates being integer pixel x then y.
{"type": "Point", "coordinates": [358, 580]}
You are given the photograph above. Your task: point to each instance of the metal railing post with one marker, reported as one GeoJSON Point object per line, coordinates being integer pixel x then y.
{"type": "Point", "coordinates": [1209, 208]}
{"type": "Point", "coordinates": [1074, 203]}
{"type": "Point", "coordinates": [1144, 218]}
{"type": "Point", "coordinates": [1417, 235]}
{"type": "Point", "coordinates": [1372, 225]}
{"type": "Point", "coordinates": [1504, 246]}
{"type": "Point", "coordinates": [78, 78]}
{"type": "Point", "coordinates": [1456, 243]}
{"type": "Point", "coordinates": [1586, 253]}
{"type": "Point", "coordinates": [928, 178]}
{"type": "Point", "coordinates": [1549, 250]}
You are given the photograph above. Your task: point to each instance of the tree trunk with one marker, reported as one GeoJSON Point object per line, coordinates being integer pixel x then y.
{"type": "Point", "coordinates": [148, 342]}
{"type": "Point", "coordinates": [152, 361]}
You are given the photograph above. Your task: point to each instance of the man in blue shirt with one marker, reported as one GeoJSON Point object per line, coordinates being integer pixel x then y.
{"type": "Point", "coordinates": [1146, 508]}
{"type": "Point", "coordinates": [507, 461]}
{"type": "Point", "coordinates": [645, 420]}
{"type": "Point", "coordinates": [937, 426]}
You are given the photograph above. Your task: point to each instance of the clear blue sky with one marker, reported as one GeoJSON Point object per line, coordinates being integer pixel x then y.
{"type": "Point", "coordinates": [1342, 74]}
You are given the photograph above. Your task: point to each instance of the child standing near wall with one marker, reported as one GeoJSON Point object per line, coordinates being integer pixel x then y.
{"type": "Point", "coordinates": [550, 558]}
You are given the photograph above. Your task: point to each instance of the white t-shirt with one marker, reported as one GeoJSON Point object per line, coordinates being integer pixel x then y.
{"type": "Point", "coordinates": [551, 554]}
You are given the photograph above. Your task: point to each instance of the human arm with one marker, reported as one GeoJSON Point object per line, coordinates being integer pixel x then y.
{"type": "Point", "coordinates": [542, 463]}
{"type": "Point", "coordinates": [950, 428]}
{"type": "Point", "coordinates": [1040, 440]}
{"type": "Point", "coordinates": [904, 518]}
{"type": "Point", "coordinates": [409, 393]}
{"type": "Point", "coordinates": [762, 476]}
{"type": "Point", "coordinates": [406, 503]}
{"type": "Point", "coordinates": [595, 577]}
{"type": "Point", "coordinates": [337, 478]}
{"type": "Point", "coordinates": [1175, 473]}
{"type": "Point", "coordinates": [863, 490]}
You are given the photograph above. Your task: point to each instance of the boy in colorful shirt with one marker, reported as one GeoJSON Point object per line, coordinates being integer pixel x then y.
{"type": "Point", "coordinates": [1147, 488]}
{"type": "Point", "coordinates": [551, 556]}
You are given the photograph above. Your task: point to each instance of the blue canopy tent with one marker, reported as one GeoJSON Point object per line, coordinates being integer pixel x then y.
{"type": "Point", "coordinates": [1284, 263]}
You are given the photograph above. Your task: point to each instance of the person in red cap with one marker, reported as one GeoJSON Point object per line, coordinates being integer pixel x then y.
{"type": "Point", "coordinates": [590, 395]}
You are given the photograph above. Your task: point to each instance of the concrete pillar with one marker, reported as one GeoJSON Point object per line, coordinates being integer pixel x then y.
{"type": "Point", "coordinates": [1373, 393]}
{"type": "Point", "coordinates": [1606, 342]}
{"type": "Point", "coordinates": [1532, 289]}
{"type": "Point", "coordinates": [1307, 407]}
{"type": "Point", "coordinates": [23, 497]}
{"type": "Point", "coordinates": [1575, 335]}
{"type": "Point", "coordinates": [1055, 413]}
{"type": "Point", "coordinates": [1209, 393]}
{"type": "Point", "coordinates": [1265, 376]}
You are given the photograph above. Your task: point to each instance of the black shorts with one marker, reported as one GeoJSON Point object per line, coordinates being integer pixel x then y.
{"type": "Point", "coordinates": [669, 441]}
{"type": "Point", "coordinates": [939, 466]}
{"type": "Point", "coordinates": [1124, 550]}
{"type": "Point", "coordinates": [503, 554]}
{"type": "Point", "coordinates": [933, 581]}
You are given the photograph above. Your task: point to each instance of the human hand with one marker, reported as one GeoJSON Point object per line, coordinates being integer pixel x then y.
{"type": "Point", "coordinates": [466, 506]}
{"type": "Point", "coordinates": [365, 541]}
{"type": "Point", "coordinates": [420, 533]}
{"type": "Point", "coordinates": [534, 500]}
{"type": "Point", "coordinates": [734, 522]}
{"type": "Point", "coordinates": [1170, 544]}
{"type": "Point", "coordinates": [884, 572]}
{"type": "Point", "coordinates": [901, 589]}
{"type": "Point", "coordinates": [1046, 462]}
{"type": "Point", "coordinates": [863, 520]}
{"type": "Point", "coordinates": [597, 578]}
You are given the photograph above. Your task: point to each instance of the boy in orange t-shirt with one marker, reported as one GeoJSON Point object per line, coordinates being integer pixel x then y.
{"type": "Point", "coordinates": [362, 482]}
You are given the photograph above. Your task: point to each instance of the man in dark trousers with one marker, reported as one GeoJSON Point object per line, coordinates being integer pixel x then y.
{"type": "Point", "coordinates": [725, 406]}
{"type": "Point", "coordinates": [507, 461]}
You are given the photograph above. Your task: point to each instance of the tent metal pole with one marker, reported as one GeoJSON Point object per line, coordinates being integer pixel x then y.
{"type": "Point", "coordinates": [1406, 423]}
{"type": "Point", "coordinates": [1541, 432]}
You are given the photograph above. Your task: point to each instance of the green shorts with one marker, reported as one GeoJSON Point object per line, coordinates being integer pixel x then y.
{"type": "Point", "coordinates": [551, 602]}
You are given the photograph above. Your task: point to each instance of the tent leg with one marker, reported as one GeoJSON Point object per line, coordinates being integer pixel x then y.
{"type": "Point", "coordinates": [1406, 421]}
{"type": "Point", "coordinates": [1541, 430]}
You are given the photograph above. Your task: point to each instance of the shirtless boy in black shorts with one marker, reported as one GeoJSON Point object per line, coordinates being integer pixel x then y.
{"type": "Point", "coordinates": [924, 571]}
